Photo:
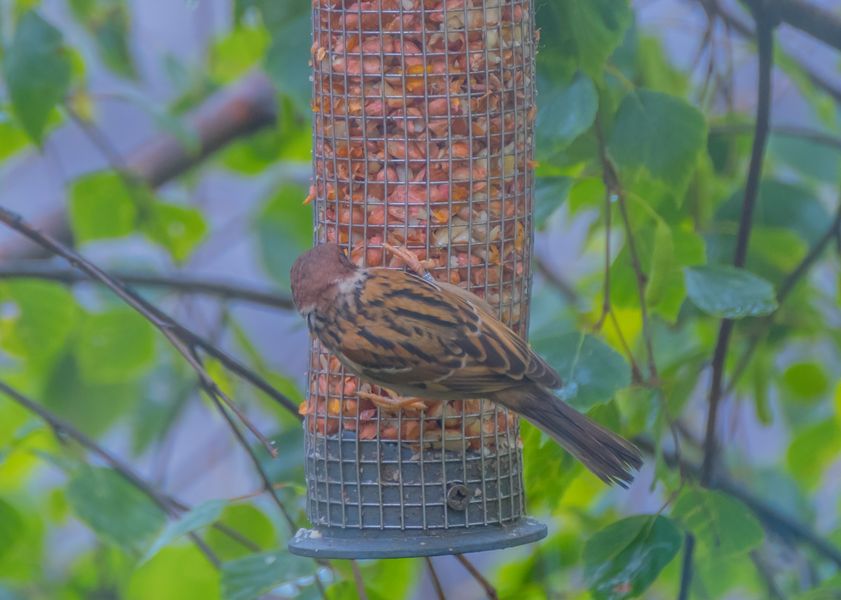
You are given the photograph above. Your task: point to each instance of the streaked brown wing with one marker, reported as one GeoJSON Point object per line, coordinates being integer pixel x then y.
{"type": "Point", "coordinates": [420, 335]}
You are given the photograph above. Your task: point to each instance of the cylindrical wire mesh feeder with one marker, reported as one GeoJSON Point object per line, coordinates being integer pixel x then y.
{"type": "Point", "coordinates": [423, 139]}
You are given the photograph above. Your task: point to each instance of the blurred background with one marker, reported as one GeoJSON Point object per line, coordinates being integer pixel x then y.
{"type": "Point", "coordinates": [206, 102]}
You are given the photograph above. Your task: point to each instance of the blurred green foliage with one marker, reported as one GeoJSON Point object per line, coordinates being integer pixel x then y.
{"type": "Point", "coordinates": [608, 95]}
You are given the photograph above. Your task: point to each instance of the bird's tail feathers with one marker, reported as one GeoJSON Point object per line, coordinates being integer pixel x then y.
{"type": "Point", "coordinates": [611, 457]}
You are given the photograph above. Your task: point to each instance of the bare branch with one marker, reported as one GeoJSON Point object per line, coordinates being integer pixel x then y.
{"type": "Point", "coordinates": [180, 337]}
{"type": "Point", "coordinates": [686, 567]}
{"type": "Point", "coordinates": [62, 427]}
{"type": "Point", "coordinates": [736, 23]}
{"type": "Point", "coordinates": [358, 580]}
{"type": "Point", "coordinates": [179, 282]}
{"type": "Point", "coordinates": [490, 590]}
{"type": "Point", "coordinates": [773, 518]}
{"type": "Point", "coordinates": [786, 287]}
{"type": "Point", "coordinates": [436, 581]}
{"type": "Point", "coordinates": [809, 18]}
{"type": "Point", "coordinates": [232, 113]}
{"type": "Point", "coordinates": [794, 131]}
{"type": "Point", "coordinates": [763, 116]}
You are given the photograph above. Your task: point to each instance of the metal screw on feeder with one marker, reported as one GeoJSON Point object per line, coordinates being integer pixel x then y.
{"type": "Point", "coordinates": [423, 138]}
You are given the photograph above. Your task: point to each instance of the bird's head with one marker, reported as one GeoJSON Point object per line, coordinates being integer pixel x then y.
{"type": "Point", "coordinates": [318, 274]}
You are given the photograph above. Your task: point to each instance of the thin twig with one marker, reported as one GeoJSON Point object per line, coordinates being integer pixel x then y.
{"type": "Point", "coordinates": [264, 477]}
{"type": "Point", "coordinates": [636, 373]}
{"type": "Point", "coordinates": [809, 18]}
{"type": "Point", "coordinates": [177, 282]}
{"type": "Point", "coordinates": [686, 567]}
{"type": "Point", "coordinates": [62, 427]}
{"type": "Point", "coordinates": [560, 284]}
{"type": "Point", "coordinates": [802, 133]}
{"type": "Point", "coordinates": [165, 324]}
{"type": "Point", "coordinates": [765, 32]}
{"type": "Point", "coordinates": [436, 581]}
{"type": "Point", "coordinates": [735, 23]}
{"type": "Point", "coordinates": [641, 283]}
{"type": "Point", "coordinates": [613, 190]}
{"type": "Point", "coordinates": [358, 580]}
{"type": "Point", "coordinates": [786, 287]}
{"type": "Point", "coordinates": [489, 588]}
{"type": "Point", "coordinates": [608, 212]}
{"type": "Point", "coordinates": [773, 518]}
{"type": "Point", "coordinates": [767, 574]}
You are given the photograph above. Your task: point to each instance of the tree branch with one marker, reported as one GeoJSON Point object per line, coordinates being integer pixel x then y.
{"type": "Point", "coordinates": [794, 131]}
{"type": "Point", "coordinates": [179, 282]}
{"type": "Point", "coordinates": [490, 590]}
{"type": "Point", "coordinates": [686, 567]}
{"type": "Point", "coordinates": [786, 287]}
{"type": "Point", "coordinates": [773, 518]}
{"type": "Point", "coordinates": [228, 115]}
{"type": "Point", "coordinates": [808, 18]}
{"type": "Point", "coordinates": [765, 29]}
{"type": "Point", "coordinates": [739, 26]}
{"type": "Point", "coordinates": [179, 336]}
{"type": "Point", "coordinates": [62, 427]}
{"type": "Point", "coordinates": [436, 581]}
{"type": "Point", "coordinates": [613, 190]}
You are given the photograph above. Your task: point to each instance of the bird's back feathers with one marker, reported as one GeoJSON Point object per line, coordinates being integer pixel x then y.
{"type": "Point", "coordinates": [418, 334]}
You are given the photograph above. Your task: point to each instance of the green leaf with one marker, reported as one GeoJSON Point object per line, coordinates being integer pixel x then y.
{"type": "Point", "coordinates": [624, 559]}
{"type": "Point", "coordinates": [813, 449]}
{"type": "Point", "coordinates": [287, 67]}
{"type": "Point", "coordinates": [179, 229]}
{"type": "Point", "coordinates": [284, 230]}
{"type": "Point", "coordinates": [723, 526]}
{"type": "Point", "coordinates": [729, 293]}
{"type": "Point", "coordinates": [115, 509]}
{"type": "Point", "coordinates": [814, 160]}
{"type": "Point", "coordinates": [781, 206]}
{"type": "Point", "coordinates": [175, 573]}
{"type": "Point", "coordinates": [24, 525]}
{"type": "Point", "coordinates": [657, 135]}
{"type": "Point", "coordinates": [665, 289]}
{"type": "Point", "coordinates": [108, 21]}
{"type": "Point", "coordinates": [40, 318]}
{"type": "Point", "coordinates": [37, 70]}
{"type": "Point", "coordinates": [565, 113]}
{"type": "Point", "coordinates": [581, 33]}
{"type": "Point", "coordinates": [102, 206]}
{"type": "Point", "coordinates": [592, 371]}
{"type": "Point", "coordinates": [586, 193]}
{"type": "Point", "coordinates": [14, 138]}
{"type": "Point", "coordinates": [248, 521]}
{"type": "Point", "coordinates": [247, 578]}
{"type": "Point", "coordinates": [806, 380]}
{"type": "Point", "coordinates": [115, 346]}
{"type": "Point", "coordinates": [827, 590]}
{"type": "Point", "coordinates": [236, 53]}
{"type": "Point", "coordinates": [92, 407]}
{"type": "Point", "coordinates": [548, 197]}
{"type": "Point", "coordinates": [11, 528]}
{"type": "Point", "coordinates": [200, 516]}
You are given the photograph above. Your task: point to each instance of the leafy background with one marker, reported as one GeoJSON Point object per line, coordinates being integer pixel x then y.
{"type": "Point", "coordinates": [169, 141]}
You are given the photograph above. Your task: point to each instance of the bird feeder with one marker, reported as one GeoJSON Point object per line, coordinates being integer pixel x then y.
{"type": "Point", "coordinates": [423, 122]}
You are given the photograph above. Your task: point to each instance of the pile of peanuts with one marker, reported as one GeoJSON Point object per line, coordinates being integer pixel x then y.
{"type": "Point", "coordinates": [423, 138]}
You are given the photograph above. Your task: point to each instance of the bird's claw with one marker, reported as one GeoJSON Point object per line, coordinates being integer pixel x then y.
{"type": "Point", "coordinates": [393, 403]}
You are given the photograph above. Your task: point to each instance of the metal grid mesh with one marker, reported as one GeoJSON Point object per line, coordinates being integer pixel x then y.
{"type": "Point", "coordinates": [423, 138]}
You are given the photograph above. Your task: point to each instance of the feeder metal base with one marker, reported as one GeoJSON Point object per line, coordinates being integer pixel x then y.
{"type": "Point", "coordinates": [377, 543]}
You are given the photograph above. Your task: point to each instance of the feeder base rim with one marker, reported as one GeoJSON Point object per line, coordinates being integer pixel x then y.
{"type": "Point", "coordinates": [377, 543]}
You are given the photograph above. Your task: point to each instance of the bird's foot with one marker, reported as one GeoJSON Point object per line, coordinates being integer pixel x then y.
{"type": "Point", "coordinates": [393, 403]}
{"type": "Point", "coordinates": [410, 260]}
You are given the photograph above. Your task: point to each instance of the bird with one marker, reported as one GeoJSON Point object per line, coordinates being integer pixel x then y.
{"type": "Point", "coordinates": [422, 338]}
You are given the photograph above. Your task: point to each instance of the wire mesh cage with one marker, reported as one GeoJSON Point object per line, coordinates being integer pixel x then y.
{"type": "Point", "coordinates": [424, 113]}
